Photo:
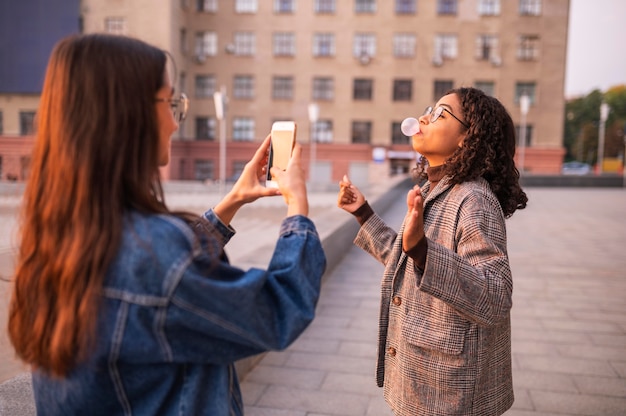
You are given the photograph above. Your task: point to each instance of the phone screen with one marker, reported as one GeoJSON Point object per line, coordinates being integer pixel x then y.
{"type": "Point", "coordinates": [283, 140]}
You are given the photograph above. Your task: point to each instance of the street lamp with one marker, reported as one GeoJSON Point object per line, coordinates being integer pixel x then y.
{"type": "Point", "coordinates": [604, 114]}
{"type": "Point", "coordinates": [624, 158]}
{"type": "Point", "coordinates": [314, 112]}
{"type": "Point", "coordinates": [524, 105]}
{"type": "Point", "coordinates": [220, 100]}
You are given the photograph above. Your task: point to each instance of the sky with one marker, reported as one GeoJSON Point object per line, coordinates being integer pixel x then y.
{"type": "Point", "coordinates": [596, 51]}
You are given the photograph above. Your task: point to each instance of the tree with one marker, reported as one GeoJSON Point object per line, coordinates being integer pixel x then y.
{"type": "Point", "coordinates": [582, 118]}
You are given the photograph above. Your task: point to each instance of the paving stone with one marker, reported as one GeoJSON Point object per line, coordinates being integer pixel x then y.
{"type": "Point", "coordinates": [578, 404]}
{"type": "Point", "coordinates": [327, 362]}
{"type": "Point", "coordinates": [601, 386]}
{"type": "Point", "coordinates": [352, 383]}
{"type": "Point", "coordinates": [542, 380]}
{"type": "Point", "coordinates": [325, 402]}
{"type": "Point", "coordinates": [560, 365]}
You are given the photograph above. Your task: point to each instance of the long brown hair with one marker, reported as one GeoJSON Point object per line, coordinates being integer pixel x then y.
{"type": "Point", "coordinates": [95, 156]}
{"type": "Point", "coordinates": [488, 149]}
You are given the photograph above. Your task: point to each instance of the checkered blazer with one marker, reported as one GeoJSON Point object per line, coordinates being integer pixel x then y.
{"type": "Point", "coordinates": [445, 333]}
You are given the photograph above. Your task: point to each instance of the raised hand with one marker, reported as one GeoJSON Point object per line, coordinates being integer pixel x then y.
{"type": "Point", "coordinates": [414, 220]}
{"type": "Point", "coordinates": [248, 187]}
{"type": "Point", "coordinates": [350, 197]}
{"type": "Point", "coordinates": [292, 184]}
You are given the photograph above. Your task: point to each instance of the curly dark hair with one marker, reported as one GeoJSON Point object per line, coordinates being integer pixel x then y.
{"type": "Point", "coordinates": [487, 150]}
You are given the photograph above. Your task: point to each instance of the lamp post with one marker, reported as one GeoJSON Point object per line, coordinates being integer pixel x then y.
{"type": "Point", "coordinates": [624, 158]}
{"type": "Point", "coordinates": [524, 105]}
{"type": "Point", "coordinates": [604, 114]}
{"type": "Point", "coordinates": [314, 112]}
{"type": "Point", "coordinates": [220, 99]}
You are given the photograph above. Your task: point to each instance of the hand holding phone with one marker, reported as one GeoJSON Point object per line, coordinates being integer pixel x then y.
{"type": "Point", "coordinates": [282, 144]}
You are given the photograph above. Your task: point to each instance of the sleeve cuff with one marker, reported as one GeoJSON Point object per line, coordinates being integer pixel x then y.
{"type": "Point", "coordinates": [418, 253]}
{"type": "Point", "coordinates": [363, 213]}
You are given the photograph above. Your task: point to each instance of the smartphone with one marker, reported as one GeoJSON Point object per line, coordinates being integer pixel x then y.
{"type": "Point", "coordinates": [283, 139]}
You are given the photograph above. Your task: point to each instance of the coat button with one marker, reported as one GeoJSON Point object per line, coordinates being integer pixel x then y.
{"type": "Point", "coordinates": [391, 351]}
{"type": "Point", "coordinates": [397, 301]}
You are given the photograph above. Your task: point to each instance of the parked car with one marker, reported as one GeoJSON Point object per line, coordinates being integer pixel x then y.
{"type": "Point", "coordinates": [576, 168]}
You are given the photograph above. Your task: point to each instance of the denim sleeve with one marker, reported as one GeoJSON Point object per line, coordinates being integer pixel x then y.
{"type": "Point", "coordinates": [219, 313]}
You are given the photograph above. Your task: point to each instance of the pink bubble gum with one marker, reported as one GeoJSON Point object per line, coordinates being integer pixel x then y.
{"type": "Point", "coordinates": [410, 126]}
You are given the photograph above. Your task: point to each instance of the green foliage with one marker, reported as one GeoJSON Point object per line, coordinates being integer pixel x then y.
{"type": "Point", "coordinates": [582, 120]}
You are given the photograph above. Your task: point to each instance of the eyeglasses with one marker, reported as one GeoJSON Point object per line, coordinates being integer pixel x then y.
{"type": "Point", "coordinates": [437, 112]}
{"type": "Point", "coordinates": [179, 106]}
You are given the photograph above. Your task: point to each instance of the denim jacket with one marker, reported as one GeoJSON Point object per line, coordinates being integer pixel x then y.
{"type": "Point", "coordinates": [175, 316]}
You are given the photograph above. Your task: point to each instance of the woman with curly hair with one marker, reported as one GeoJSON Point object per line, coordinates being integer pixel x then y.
{"type": "Point", "coordinates": [444, 329]}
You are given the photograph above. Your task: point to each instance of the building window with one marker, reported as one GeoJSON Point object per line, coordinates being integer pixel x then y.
{"type": "Point", "coordinates": [397, 137]}
{"type": "Point", "coordinates": [323, 44]}
{"type": "Point", "coordinates": [243, 129]}
{"type": "Point", "coordinates": [486, 47]}
{"type": "Point", "coordinates": [406, 6]}
{"type": "Point", "coordinates": [441, 88]}
{"type": "Point", "coordinates": [184, 47]}
{"type": "Point", "coordinates": [243, 86]}
{"type": "Point", "coordinates": [525, 88]}
{"type": "Point", "coordinates": [446, 6]}
{"type": "Point", "coordinates": [323, 88]}
{"type": "Point", "coordinates": [282, 88]}
{"type": "Point", "coordinates": [488, 87]}
{"type": "Point", "coordinates": [362, 89]}
{"type": "Point", "coordinates": [245, 43]}
{"type": "Point", "coordinates": [206, 6]}
{"type": "Point", "coordinates": [365, 6]}
{"type": "Point", "coordinates": [27, 123]}
{"type": "Point", "coordinates": [529, 135]}
{"type": "Point", "coordinates": [182, 82]}
{"type": "Point", "coordinates": [284, 44]}
{"type": "Point", "coordinates": [445, 47]}
{"type": "Point", "coordinates": [489, 7]}
{"type": "Point", "coordinates": [115, 25]}
{"type": "Point", "coordinates": [364, 45]}
{"type": "Point", "coordinates": [205, 128]}
{"type": "Point", "coordinates": [528, 48]}
{"type": "Point", "coordinates": [246, 6]}
{"type": "Point", "coordinates": [402, 89]}
{"type": "Point", "coordinates": [361, 131]}
{"type": "Point", "coordinates": [204, 86]}
{"type": "Point", "coordinates": [206, 45]}
{"type": "Point", "coordinates": [203, 170]}
{"type": "Point", "coordinates": [530, 7]}
{"type": "Point", "coordinates": [284, 6]}
{"type": "Point", "coordinates": [404, 45]}
{"type": "Point", "coordinates": [324, 6]}
{"type": "Point", "coordinates": [322, 131]}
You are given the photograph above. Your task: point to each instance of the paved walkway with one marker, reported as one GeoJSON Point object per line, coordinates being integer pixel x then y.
{"type": "Point", "coordinates": [568, 254]}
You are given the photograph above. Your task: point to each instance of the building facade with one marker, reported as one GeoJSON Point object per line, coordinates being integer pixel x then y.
{"type": "Point", "coordinates": [365, 64]}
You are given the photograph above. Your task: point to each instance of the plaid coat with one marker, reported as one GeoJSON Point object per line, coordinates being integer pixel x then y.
{"type": "Point", "coordinates": [445, 333]}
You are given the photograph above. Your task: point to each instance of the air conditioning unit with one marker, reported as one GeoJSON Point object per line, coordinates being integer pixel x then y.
{"type": "Point", "coordinates": [200, 58]}
{"type": "Point", "coordinates": [365, 58]}
{"type": "Point", "coordinates": [496, 61]}
{"type": "Point", "coordinates": [230, 48]}
{"type": "Point", "coordinates": [437, 60]}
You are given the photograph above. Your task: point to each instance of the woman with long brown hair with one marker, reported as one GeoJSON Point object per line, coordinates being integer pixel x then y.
{"type": "Point", "coordinates": [120, 305]}
{"type": "Point", "coordinates": [444, 345]}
